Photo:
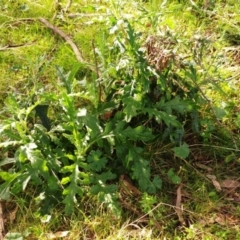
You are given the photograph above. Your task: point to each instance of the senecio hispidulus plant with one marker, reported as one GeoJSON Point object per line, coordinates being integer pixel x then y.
{"type": "Point", "coordinates": [82, 138]}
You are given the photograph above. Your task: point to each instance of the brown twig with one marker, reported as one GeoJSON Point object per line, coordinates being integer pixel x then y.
{"type": "Point", "coordinates": [68, 40]}
{"type": "Point", "coordinates": [16, 21]}
{"type": "Point", "coordinates": [178, 208]}
{"type": "Point", "coordinates": [56, 31]}
{"type": "Point", "coordinates": [10, 46]}
{"type": "Point", "coordinates": [65, 37]}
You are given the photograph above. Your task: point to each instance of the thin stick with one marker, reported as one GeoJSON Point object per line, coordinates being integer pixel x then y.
{"type": "Point", "coordinates": [16, 46]}
{"type": "Point", "coordinates": [178, 208]}
{"type": "Point", "coordinates": [16, 20]}
{"type": "Point", "coordinates": [56, 31]}
{"type": "Point", "coordinates": [65, 37]}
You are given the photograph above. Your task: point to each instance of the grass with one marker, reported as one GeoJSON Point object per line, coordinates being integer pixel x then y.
{"type": "Point", "coordinates": [208, 213]}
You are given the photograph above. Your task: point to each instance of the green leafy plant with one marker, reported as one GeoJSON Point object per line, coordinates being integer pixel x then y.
{"type": "Point", "coordinates": [81, 138]}
{"type": "Point", "coordinates": [173, 176]}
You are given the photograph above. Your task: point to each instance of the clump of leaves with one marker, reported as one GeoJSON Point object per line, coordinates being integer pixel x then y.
{"type": "Point", "coordinates": [97, 128]}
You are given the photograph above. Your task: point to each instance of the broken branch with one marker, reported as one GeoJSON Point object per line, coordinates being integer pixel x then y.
{"type": "Point", "coordinates": [65, 37]}
{"type": "Point", "coordinates": [178, 208]}
{"type": "Point", "coordinates": [16, 46]}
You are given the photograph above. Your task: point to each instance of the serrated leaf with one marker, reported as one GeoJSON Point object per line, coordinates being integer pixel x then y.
{"type": "Point", "coordinates": [93, 125]}
{"type": "Point", "coordinates": [71, 157]}
{"type": "Point", "coordinates": [64, 78]}
{"type": "Point", "coordinates": [13, 236]}
{"type": "Point", "coordinates": [139, 133]}
{"type": "Point", "coordinates": [96, 189]}
{"type": "Point", "coordinates": [69, 137]}
{"type": "Point", "coordinates": [121, 150]}
{"type": "Point", "coordinates": [38, 162]}
{"type": "Point", "coordinates": [131, 108]}
{"type": "Point", "coordinates": [182, 151]}
{"type": "Point", "coordinates": [142, 173]}
{"type": "Point", "coordinates": [72, 191]}
{"type": "Point", "coordinates": [5, 191]}
{"type": "Point", "coordinates": [65, 180]}
{"type": "Point", "coordinates": [67, 169]}
{"type": "Point", "coordinates": [157, 182]}
{"type": "Point", "coordinates": [84, 178]}
{"type": "Point", "coordinates": [6, 176]}
{"type": "Point", "coordinates": [68, 106]}
{"type": "Point", "coordinates": [141, 169]}
{"type": "Point", "coordinates": [132, 37]}
{"type": "Point", "coordinates": [103, 188]}
{"type": "Point", "coordinates": [10, 143]}
{"type": "Point", "coordinates": [160, 116]}
{"type": "Point", "coordinates": [174, 104]}
{"type": "Point", "coordinates": [53, 183]}
{"type": "Point", "coordinates": [174, 178]}
{"type": "Point", "coordinates": [12, 103]}
{"type": "Point", "coordinates": [96, 162]}
{"type": "Point", "coordinates": [41, 111]}
{"type": "Point", "coordinates": [105, 176]}
{"type": "Point", "coordinates": [6, 129]}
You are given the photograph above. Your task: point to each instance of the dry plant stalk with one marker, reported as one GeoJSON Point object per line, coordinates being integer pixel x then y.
{"type": "Point", "coordinates": [10, 46]}
{"type": "Point", "coordinates": [178, 208]}
{"type": "Point", "coordinates": [157, 53]}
